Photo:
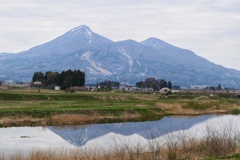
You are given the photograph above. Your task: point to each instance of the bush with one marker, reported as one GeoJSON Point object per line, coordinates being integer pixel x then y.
{"type": "Point", "coordinates": [171, 154]}
{"type": "Point", "coordinates": [235, 111]}
{"type": "Point", "coordinates": [220, 143]}
{"type": "Point", "coordinates": [70, 90]}
{"type": "Point", "coordinates": [197, 105]}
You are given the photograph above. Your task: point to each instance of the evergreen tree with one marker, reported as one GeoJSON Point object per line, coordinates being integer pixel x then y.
{"type": "Point", "coordinates": [65, 79]}
{"type": "Point", "coordinates": [108, 85]}
{"type": "Point", "coordinates": [38, 76]}
{"type": "Point", "coordinates": [154, 83]}
{"type": "Point", "coordinates": [169, 85]}
{"type": "Point", "coordinates": [219, 87]}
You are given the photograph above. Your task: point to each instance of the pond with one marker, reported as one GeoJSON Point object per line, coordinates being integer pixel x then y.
{"type": "Point", "coordinates": [15, 139]}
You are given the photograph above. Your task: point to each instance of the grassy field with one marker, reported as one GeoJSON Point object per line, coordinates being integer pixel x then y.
{"type": "Point", "coordinates": [28, 107]}
{"type": "Point", "coordinates": [49, 107]}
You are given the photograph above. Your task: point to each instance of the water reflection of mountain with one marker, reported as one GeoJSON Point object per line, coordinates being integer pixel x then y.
{"type": "Point", "coordinates": [79, 135]}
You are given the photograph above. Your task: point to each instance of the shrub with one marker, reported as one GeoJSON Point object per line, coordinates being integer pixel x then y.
{"type": "Point", "coordinates": [71, 90]}
{"type": "Point", "coordinates": [220, 143]}
{"type": "Point", "coordinates": [235, 111]}
{"type": "Point", "coordinates": [198, 105]}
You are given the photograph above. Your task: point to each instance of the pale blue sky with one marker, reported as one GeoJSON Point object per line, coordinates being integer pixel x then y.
{"type": "Point", "coordinates": [210, 28]}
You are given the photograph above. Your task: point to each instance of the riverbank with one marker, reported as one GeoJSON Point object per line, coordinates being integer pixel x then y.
{"type": "Point", "coordinates": [27, 107]}
{"type": "Point", "coordinates": [116, 153]}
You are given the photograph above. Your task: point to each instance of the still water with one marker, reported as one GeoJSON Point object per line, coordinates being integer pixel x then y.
{"type": "Point", "coordinates": [24, 139]}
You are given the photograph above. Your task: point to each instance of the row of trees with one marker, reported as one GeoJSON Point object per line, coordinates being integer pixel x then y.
{"type": "Point", "coordinates": [156, 84]}
{"type": "Point", "coordinates": [65, 79]}
{"type": "Point", "coordinates": [107, 85]}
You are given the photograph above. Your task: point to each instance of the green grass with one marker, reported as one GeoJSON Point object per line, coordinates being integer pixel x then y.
{"type": "Point", "coordinates": [18, 102]}
{"type": "Point", "coordinates": [235, 111]}
{"type": "Point", "coordinates": [232, 157]}
{"type": "Point", "coordinates": [48, 102]}
{"type": "Point", "coordinates": [201, 105]}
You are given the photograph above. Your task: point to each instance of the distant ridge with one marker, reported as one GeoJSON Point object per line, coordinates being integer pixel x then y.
{"type": "Point", "coordinates": [125, 61]}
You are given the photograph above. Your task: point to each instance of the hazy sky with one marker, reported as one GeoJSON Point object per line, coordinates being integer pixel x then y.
{"type": "Point", "coordinates": [210, 28]}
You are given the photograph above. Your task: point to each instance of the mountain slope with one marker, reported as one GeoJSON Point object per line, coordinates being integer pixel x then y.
{"type": "Point", "coordinates": [124, 61]}
{"type": "Point", "coordinates": [21, 66]}
{"type": "Point", "coordinates": [74, 40]}
{"type": "Point", "coordinates": [196, 69]}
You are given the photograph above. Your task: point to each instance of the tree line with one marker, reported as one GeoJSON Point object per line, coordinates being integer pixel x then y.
{"type": "Point", "coordinates": [107, 85]}
{"type": "Point", "coordinates": [156, 84]}
{"type": "Point", "coordinates": [65, 79]}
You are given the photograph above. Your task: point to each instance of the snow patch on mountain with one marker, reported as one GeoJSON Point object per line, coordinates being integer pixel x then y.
{"type": "Point", "coordinates": [92, 71]}
{"type": "Point", "coordinates": [79, 28]}
{"type": "Point", "coordinates": [88, 34]}
{"type": "Point", "coordinates": [130, 59]}
{"type": "Point", "coordinates": [143, 73]}
{"type": "Point", "coordinates": [97, 66]}
{"type": "Point", "coordinates": [76, 56]}
{"type": "Point", "coordinates": [138, 63]}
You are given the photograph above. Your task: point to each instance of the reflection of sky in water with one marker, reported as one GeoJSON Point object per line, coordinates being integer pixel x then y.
{"type": "Point", "coordinates": [106, 135]}
{"type": "Point", "coordinates": [28, 138]}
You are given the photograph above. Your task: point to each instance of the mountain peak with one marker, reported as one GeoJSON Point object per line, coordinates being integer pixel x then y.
{"type": "Point", "coordinates": [156, 43]}
{"type": "Point", "coordinates": [76, 39]}
{"type": "Point", "coordinates": [81, 28]}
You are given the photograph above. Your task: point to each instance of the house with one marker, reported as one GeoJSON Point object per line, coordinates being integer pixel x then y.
{"type": "Point", "coordinates": [164, 90]}
{"type": "Point", "coordinates": [57, 88]}
{"type": "Point", "coordinates": [198, 87]}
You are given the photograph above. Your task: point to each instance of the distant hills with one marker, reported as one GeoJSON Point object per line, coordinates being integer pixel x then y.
{"type": "Point", "coordinates": [125, 61]}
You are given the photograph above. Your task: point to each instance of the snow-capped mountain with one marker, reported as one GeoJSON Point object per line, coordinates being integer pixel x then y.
{"type": "Point", "coordinates": [124, 61]}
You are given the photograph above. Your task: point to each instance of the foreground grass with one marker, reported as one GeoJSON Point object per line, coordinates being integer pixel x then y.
{"type": "Point", "coordinates": [20, 107]}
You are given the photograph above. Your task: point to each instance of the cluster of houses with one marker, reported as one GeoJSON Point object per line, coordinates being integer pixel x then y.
{"type": "Point", "coordinates": [117, 88]}
{"type": "Point", "coordinates": [130, 88]}
{"type": "Point", "coordinates": [9, 85]}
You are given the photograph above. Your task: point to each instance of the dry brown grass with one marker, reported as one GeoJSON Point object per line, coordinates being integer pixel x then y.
{"type": "Point", "coordinates": [146, 97]}
{"type": "Point", "coordinates": [191, 150]}
{"type": "Point", "coordinates": [73, 119]}
{"type": "Point", "coordinates": [22, 121]}
{"type": "Point", "coordinates": [67, 119]}
{"type": "Point", "coordinates": [111, 97]}
{"type": "Point", "coordinates": [177, 109]}
{"type": "Point", "coordinates": [60, 119]}
{"type": "Point", "coordinates": [122, 97]}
